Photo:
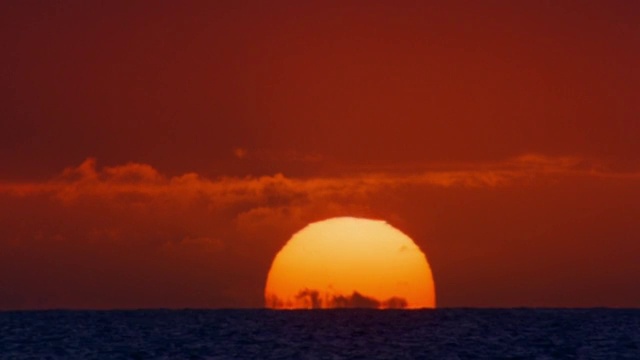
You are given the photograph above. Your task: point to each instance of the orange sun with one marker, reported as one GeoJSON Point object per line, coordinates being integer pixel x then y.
{"type": "Point", "coordinates": [350, 262]}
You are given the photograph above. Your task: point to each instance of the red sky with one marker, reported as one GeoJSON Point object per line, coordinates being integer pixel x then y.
{"type": "Point", "coordinates": [159, 154]}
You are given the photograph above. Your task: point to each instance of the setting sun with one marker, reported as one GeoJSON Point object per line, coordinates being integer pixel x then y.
{"type": "Point", "coordinates": [350, 262]}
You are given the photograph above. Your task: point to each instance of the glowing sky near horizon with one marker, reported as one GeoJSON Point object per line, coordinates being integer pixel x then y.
{"type": "Point", "coordinates": [162, 156]}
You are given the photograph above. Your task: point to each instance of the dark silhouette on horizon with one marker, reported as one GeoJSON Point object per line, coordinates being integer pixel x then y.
{"type": "Point", "coordinates": [312, 299]}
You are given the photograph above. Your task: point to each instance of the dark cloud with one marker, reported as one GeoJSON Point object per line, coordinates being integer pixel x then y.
{"type": "Point", "coordinates": [313, 299]}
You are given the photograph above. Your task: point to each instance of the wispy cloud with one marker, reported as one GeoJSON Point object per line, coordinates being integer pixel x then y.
{"type": "Point", "coordinates": [133, 181]}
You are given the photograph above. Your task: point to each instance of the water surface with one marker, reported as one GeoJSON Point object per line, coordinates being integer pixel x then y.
{"type": "Point", "coordinates": [322, 334]}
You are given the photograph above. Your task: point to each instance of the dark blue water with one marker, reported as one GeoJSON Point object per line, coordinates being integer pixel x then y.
{"type": "Point", "coordinates": [322, 334]}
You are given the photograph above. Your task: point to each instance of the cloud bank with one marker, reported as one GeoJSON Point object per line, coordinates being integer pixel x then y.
{"type": "Point", "coordinates": [141, 181]}
{"type": "Point", "coordinates": [129, 236]}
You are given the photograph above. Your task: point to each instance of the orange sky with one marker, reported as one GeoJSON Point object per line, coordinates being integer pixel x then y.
{"type": "Point", "coordinates": [159, 155]}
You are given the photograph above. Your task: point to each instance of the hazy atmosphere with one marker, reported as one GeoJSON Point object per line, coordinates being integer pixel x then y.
{"type": "Point", "coordinates": [159, 156]}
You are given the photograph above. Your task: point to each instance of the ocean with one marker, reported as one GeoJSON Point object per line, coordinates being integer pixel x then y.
{"type": "Point", "coordinates": [322, 334]}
